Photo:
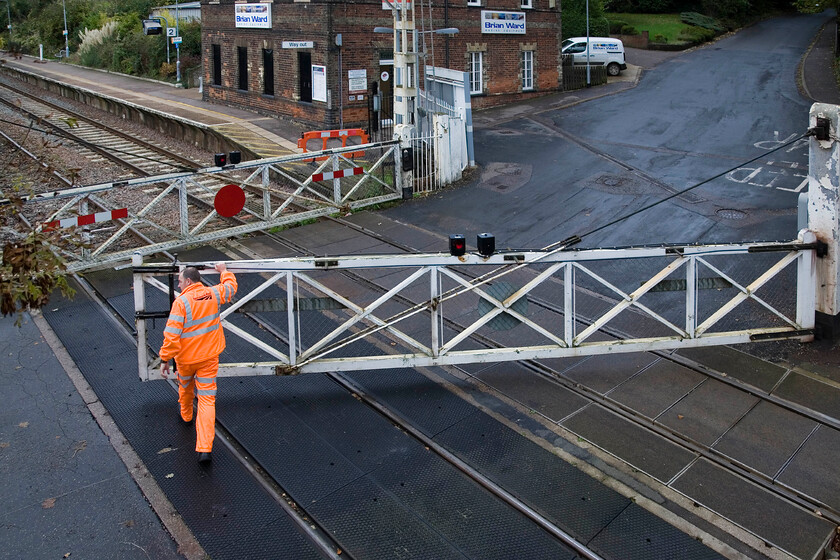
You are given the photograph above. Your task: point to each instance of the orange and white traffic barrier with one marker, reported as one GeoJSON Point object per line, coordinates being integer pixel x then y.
{"type": "Point", "coordinates": [88, 219]}
{"type": "Point", "coordinates": [327, 175]}
{"type": "Point", "coordinates": [326, 135]}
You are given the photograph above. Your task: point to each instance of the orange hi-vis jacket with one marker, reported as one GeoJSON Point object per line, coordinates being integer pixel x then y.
{"type": "Point", "coordinates": [193, 331]}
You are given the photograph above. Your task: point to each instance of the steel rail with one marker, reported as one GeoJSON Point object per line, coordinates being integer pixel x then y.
{"type": "Point", "coordinates": [739, 469]}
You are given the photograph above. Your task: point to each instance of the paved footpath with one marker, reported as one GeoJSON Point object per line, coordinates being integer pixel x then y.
{"type": "Point", "coordinates": [65, 491]}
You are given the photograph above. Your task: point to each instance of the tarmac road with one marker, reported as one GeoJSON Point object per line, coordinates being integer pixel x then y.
{"type": "Point", "coordinates": [547, 173]}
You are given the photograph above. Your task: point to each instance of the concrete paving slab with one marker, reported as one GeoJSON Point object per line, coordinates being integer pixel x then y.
{"type": "Point", "coordinates": [644, 450]}
{"type": "Point", "coordinates": [532, 390]}
{"type": "Point", "coordinates": [774, 520]}
{"type": "Point", "coordinates": [814, 469]}
{"type": "Point", "coordinates": [749, 369]}
{"type": "Point", "coordinates": [63, 489]}
{"type": "Point", "coordinates": [766, 438]}
{"type": "Point", "coordinates": [604, 373]}
{"type": "Point", "coordinates": [810, 392]}
{"type": "Point", "coordinates": [657, 388]}
{"type": "Point", "coordinates": [708, 411]}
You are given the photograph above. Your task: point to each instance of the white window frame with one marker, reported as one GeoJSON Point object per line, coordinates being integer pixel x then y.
{"type": "Point", "coordinates": [527, 70]}
{"type": "Point", "coordinates": [476, 74]}
{"type": "Point", "coordinates": [527, 4]}
{"type": "Point", "coordinates": [473, 2]}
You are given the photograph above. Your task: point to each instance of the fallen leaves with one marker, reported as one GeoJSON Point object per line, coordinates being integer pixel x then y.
{"type": "Point", "coordinates": [4, 444]}
{"type": "Point", "coordinates": [48, 503]}
{"type": "Point", "coordinates": [170, 475]}
{"type": "Point", "coordinates": [166, 450]}
{"type": "Point", "coordinates": [23, 425]}
{"type": "Point", "coordinates": [80, 445]}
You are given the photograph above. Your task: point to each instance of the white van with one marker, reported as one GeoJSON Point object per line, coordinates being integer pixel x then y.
{"type": "Point", "coordinates": [604, 52]}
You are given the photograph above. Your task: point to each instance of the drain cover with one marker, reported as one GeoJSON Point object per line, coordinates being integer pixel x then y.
{"type": "Point", "coordinates": [731, 214]}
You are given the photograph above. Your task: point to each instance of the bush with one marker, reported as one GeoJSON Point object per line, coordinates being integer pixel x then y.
{"type": "Point", "coordinates": [696, 34]}
{"type": "Point", "coordinates": [699, 20]}
{"type": "Point", "coordinates": [629, 30]}
{"type": "Point", "coordinates": [660, 38]}
{"type": "Point", "coordinates": [615, 26]}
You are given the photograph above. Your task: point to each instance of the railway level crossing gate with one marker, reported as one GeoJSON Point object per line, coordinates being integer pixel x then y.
{"type": "Point", "coordinates": [391, 311]}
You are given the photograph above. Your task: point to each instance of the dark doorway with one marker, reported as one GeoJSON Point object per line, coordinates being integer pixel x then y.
{"type": "Point", "coordinates": [217, 65]}
{"type": "Point", "coordinates": [268, 71]}
{"type": "Point", "coordinates": [242, 55]}
{"type": "Point", "coordinates": [305, 73]}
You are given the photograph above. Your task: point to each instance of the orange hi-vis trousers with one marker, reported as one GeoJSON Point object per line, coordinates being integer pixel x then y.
{"type": "Point", "coordinates": [199, 379]}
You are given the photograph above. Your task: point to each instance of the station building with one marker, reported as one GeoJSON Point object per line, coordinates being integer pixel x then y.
{"type": "Point", "coordinates": [319, 61]}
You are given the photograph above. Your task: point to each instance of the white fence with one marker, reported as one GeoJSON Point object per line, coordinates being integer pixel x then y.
{"type": "Point", "coordinates": [314, 315]}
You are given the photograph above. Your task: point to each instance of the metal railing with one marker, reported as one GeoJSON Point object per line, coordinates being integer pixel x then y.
{"type": "Point", "coordinates": [169, 211]}
{"type": "Point", "coordinates": [375, 312]}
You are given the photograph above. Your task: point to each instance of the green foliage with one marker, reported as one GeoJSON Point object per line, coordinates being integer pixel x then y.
{"type": "Point", "coordinates": [574, 19]}
{"type": "Point", "coordinates": [616, 25]}
{"type": "Point", "coordinates": [29, 270]}
{"type": "Point", "coordinates": [732, 13]}
{"type": "Point", "coordinates": [699, 20]}
{"type": "Point", "coordinates": [814, 6]}
{"type": "Point", "coordinates": [692, 34]}
{"type": "Point", "coordinates": [666, 25]}
{"type": "Point", "coordinates": [629, 30]}
{"type": "Point", "coordinates": [660, 38]}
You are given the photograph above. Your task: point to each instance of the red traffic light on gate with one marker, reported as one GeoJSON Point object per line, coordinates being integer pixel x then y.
{"type": "Point", "coordinates": [457, 245]}
{"type": "Point", "coordinates": [220, 160]}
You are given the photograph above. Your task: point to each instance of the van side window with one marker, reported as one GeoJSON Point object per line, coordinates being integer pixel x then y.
{"type": "Point", "coordinates": [576, 48]}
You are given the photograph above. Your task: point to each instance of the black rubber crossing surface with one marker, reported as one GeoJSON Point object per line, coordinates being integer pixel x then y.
{"type": "Point", "coordinates": [227, 511]}
{"type": "Point", "coordinates": [379, 492]}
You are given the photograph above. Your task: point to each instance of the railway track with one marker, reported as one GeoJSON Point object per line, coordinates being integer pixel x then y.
{"type": "Point", "coordinates": [772, 483]}
{"type": "Point", "coordinates": [145, 158]}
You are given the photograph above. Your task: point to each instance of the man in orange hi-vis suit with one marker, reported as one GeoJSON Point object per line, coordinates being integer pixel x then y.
{"type": "Point", "coordinates": [194, 337]}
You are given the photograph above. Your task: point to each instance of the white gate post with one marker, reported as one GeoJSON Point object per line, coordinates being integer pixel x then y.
{"type": "Point", "coordinates": [404, 133]}
{"type": "Point", "coordinates": [824, 216]}
{"type": "Point", "coordinates": [139, 322]}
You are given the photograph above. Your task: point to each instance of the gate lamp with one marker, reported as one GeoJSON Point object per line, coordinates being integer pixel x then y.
{"type": "Point", "coordinates": [457, 245]}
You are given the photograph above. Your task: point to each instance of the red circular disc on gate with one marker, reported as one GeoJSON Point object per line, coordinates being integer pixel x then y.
{"type": "Point", "coordinates": [229, 201]}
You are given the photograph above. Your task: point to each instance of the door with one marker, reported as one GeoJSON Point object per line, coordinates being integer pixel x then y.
{"type": "Point", "coordinates": [305, 73]}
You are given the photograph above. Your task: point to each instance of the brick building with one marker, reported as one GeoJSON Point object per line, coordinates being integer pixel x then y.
{"type": "Point", "coordinates": [282, 57]}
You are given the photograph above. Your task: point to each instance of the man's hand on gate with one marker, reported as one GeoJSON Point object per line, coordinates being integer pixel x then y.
{"type": "Point", "coordinates": [220, 267]}
{"type": "Point", "coordinates": [164, 370]}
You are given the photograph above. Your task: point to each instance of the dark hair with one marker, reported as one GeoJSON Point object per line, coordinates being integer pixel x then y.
{"type": "Point", "coordinates": [191, 273]}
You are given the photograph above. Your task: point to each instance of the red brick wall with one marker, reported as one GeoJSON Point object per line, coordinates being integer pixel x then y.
{"type": "Point", "coordinates": [354, 20]}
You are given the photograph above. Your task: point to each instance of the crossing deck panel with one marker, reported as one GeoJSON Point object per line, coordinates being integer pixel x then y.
{"type": "Point", "coordinates": [794, 530]}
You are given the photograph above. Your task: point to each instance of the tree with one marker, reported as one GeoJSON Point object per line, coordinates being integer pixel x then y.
{"type": "Point", "coordinates": [574, 18]}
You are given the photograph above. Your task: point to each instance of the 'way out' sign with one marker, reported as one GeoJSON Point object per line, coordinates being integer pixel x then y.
{"type": "Point", "coordinates": [253, 15]}
{"type": "Point", "coordinates": [507, 23]}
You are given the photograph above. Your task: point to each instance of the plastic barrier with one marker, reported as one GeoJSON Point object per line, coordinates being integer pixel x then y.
{"type": "Point", "coordinates": [326, 135]}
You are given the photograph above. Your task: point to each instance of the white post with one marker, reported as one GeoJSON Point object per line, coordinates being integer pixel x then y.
{"type": "Point", "coordinates": [405, 63]}
{"type": "Point", "coordinates": [824, 216]}
{"type": "Point", "coordinates": [140, 324]}
{"type": "Point", "coordinates": [404, 133]}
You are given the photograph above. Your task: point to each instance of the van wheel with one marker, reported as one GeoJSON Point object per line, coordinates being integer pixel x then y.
{"type": "Point", "coordinates": [613, 69]}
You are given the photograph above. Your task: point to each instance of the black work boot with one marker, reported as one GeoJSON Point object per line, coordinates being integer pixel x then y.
{"type": "Point", "coordinates": [204, 457]}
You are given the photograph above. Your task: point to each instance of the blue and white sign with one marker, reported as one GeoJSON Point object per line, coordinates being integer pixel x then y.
{"type": "Point", "coordinates": [504, 23]}
{"type": "Point", "coordinates": [253, 15]}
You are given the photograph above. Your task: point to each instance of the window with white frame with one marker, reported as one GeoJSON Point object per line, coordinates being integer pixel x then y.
{"type": "Point", "coordinates": [473, 2]}
{"type": "Point", "coordinates": [527, 70]}
{"type": "Point", "coordinates": [526, 3]}
{"type": "Point", "coordinates": [476, 76]}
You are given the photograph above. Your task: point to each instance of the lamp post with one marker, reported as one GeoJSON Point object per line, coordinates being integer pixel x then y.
{"type": "Point", "coordinates": [406, 63]}
{"type": "Point", "coordinates": [177, 45]}
{"type": "Point", "coordinates": [587, 44]}
{"type": "Point", "coordinates": [66, 39]}
{"type": "Point", "coordinates": [9, 15]}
